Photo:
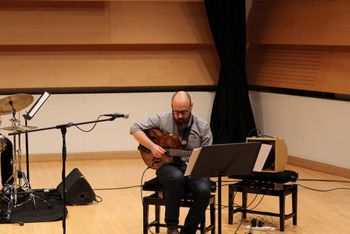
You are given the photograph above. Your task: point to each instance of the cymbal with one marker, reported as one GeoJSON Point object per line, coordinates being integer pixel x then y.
{"type": "Point", "coordinates": [19, 128]}
{"type": "Point", "coordinates": [17, 102]}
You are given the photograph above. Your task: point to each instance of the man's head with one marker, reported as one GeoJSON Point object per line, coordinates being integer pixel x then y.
{"type": "Point", "coordinates": [181, 105]}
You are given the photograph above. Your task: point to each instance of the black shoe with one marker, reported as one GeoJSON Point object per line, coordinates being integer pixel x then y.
{"type": "Point", "coordinates": [173, 231]}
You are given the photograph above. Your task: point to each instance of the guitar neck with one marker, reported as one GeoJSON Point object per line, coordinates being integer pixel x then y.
{"type": "Point", "coordinates": [178, 152]}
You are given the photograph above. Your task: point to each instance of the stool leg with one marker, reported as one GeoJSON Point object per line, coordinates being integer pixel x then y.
{"type": "Point", "coordinates": [202, 225]}
{"type": "Point", "coordinates": [244, 204]}
{"type": "Point", "coordinates": [282, 211]}
{"type": "Point", "coordinates": [157, 216]}
{"type": "Point", "coordinates": [145, 217]}
{"type": "Point", "coordinates": [230, 204]}
{"type": "Point", "coordinates": [295, 204]}
{"type": "Point", "coordinates": [212, 216]}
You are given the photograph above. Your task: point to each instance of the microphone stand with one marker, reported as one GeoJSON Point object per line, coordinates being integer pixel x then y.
{"type": "Point", "coordinates": [63, 128]}
{"type": "Point", "coordinates": [27, 149]}
{"type": "Point", "coordinates": [64, 157]}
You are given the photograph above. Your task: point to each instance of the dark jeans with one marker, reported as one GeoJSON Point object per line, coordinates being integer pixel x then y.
{"type": "Point", "coordinates": [176, 184]}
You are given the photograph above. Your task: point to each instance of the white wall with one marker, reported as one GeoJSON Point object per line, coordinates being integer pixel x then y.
{"type": "Point", "coordinates": [107, 136]}
{"type": "Point", "coordinates": [314, 129]}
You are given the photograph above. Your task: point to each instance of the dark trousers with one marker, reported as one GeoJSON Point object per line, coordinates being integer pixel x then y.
{"type": "Point", "coordinates": [176, 184]}
{"type": "Point", "coordinates": [6, 162]}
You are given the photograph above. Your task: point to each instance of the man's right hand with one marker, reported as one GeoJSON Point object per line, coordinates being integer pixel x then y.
{"type": "Point", "coordinates": [143, 139]}
{"type": "Point", "coordinates": [157, 151]}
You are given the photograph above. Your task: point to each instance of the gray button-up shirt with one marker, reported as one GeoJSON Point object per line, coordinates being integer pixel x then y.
{"type": "Point", "coordinates": [200, 134]}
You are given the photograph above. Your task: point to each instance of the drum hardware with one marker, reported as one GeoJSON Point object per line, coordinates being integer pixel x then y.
{"type": "Point", "coordinates": [18, 128]}
{"type": "Point", "coordinates": [15, 103]}
{"type": "Point", "coordinates": [2, 143]}
{"type": "Point", "coordinates": [17, 191]}
{"type": "Point", "coordinates": [63, 129]}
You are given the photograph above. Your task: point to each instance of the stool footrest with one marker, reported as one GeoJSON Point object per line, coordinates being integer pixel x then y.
{"type": "Point", "coordinates": [286, 216]}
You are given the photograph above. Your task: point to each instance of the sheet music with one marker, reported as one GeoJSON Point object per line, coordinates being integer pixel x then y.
{"type": "Point", "coordinates": [193, 159]}
{"type": "Point", "coordinates": [262, 156]}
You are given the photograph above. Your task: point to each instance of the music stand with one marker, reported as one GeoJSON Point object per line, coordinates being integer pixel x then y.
{"type": "Point", "coordinates": [28, 116]}
{"type": "Point", "coordinates": [223, 160]}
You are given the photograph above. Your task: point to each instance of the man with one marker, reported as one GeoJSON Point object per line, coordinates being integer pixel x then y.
{"type": "Point", "coordinates": [193, 133]}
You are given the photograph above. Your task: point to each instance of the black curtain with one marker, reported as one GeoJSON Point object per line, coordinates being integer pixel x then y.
{"type": "Point", "coordinates": [232, 117]}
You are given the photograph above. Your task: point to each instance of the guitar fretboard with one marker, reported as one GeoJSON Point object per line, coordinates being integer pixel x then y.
{"type": "Point", "coordinates": [179, 152]}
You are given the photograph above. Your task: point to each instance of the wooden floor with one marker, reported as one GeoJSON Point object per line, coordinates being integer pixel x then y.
{"type": "Point", "coordinates": [121, 210]}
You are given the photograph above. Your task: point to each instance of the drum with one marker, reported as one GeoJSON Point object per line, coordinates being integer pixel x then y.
{"type": "Point", "coordinates": [6, 150]}
{"type": "Point", "coordinates": [2, 143]}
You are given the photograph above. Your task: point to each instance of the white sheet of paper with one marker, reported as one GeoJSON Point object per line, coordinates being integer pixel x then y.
{"type": "Point", "coordinates": [193, 159]}
{"type": "Point", "coordinates": [262, 156]}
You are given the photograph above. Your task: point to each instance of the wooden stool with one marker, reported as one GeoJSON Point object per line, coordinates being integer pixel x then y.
{"type": "Point", "coordinates": [157, 200]}
{"type": "Point", "coordinates": [280, 190]}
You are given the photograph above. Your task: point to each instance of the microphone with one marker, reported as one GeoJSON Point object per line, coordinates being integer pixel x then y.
{"type": "Point", "coordinates": [118, 115]}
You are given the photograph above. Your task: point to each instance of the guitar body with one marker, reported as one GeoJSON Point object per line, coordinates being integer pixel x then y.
{"type": "Point", "coordinates": [170, 142]}
{"type": "Point", "coordinates": [153, 162]}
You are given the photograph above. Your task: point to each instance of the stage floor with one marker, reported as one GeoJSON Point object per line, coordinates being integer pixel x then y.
{"type": "Point", "coordinates": [117, 182]}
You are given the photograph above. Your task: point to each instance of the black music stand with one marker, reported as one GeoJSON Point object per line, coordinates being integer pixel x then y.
{"type": "Point", "coordinates": [223, 160]}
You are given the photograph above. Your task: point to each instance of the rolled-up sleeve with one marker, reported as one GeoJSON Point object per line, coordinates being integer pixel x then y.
{"type": "Point", "coordinates": [152, 122]}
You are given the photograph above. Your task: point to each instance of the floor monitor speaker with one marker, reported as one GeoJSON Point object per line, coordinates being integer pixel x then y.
{"type": "Point", "coordinates": [78, 190]}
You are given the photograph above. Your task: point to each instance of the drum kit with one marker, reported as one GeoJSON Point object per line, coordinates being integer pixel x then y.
{"type": "Point", "coordinates": [17, 190]}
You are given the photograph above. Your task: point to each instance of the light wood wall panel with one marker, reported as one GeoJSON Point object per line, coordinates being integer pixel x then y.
{"type": "Point", "coordinates": [46, 23]}
{"type": "Point", "coordinates": [105, 44]}
{"type": "Point", "coordinates": [301, 45]}
{"type": "Point", "coordinates": [301, 22]}
{"type": "Point", "coordinates": [20, 70]}
{"type": "Point", "coordinates": [318, 68]}
{"type": "Point", "coordinates": [164, 68]}
{"type": "Point", "coordinates": [161, 22]}
{"type": "Point", "coordinates": [104, 23]}
{"type": "Point", "coordinates": [54, 69]}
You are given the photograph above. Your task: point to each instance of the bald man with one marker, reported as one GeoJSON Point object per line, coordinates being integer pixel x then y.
{"type": "Point", "coordinates": [193, 133]}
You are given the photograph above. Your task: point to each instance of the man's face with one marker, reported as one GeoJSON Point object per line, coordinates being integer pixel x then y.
{"type": "Point", "coordinates": [181, 113]}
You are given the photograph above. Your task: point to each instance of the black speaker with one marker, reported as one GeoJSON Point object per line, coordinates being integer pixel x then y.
{"type": "Point", "coordinates": [78, 190]}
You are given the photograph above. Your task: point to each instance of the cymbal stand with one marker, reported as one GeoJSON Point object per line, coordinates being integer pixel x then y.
{"type": "Point", "coordinates": [18, 185]}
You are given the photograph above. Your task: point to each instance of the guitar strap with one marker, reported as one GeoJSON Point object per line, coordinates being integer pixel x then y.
{"type": "Point", "coordinates": [186, 134]}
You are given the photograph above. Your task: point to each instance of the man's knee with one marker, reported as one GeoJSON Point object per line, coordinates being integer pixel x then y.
{"type": "Point", "coordinates": [203, 189]}
{"type": "Point", "coordinates": [170, 173]}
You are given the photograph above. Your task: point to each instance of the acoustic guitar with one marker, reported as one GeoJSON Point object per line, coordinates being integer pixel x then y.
{"type": "Point", "coordinates": [170, 142]}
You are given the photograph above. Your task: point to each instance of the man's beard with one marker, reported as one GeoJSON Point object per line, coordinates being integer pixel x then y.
{"type": "Point", "coordinates": [182, 123]}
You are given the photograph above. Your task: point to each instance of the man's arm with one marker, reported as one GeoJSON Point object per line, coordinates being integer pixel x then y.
{"type": "Point", "coordinates": [143, 139]}
{"type": "Point", "coordinates": [207, 136]}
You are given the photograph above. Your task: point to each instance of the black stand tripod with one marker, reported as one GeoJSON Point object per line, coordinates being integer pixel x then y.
{"type": "Point", "coordinates": [223, 160]}
{"type": "Point", "coordinates": [63, 128]}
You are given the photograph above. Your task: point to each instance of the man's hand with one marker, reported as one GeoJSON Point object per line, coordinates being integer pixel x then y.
{"type": "Point", "coordinates": [157, 151]}
{"type": "Point", "coordinates": [143, 139]}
